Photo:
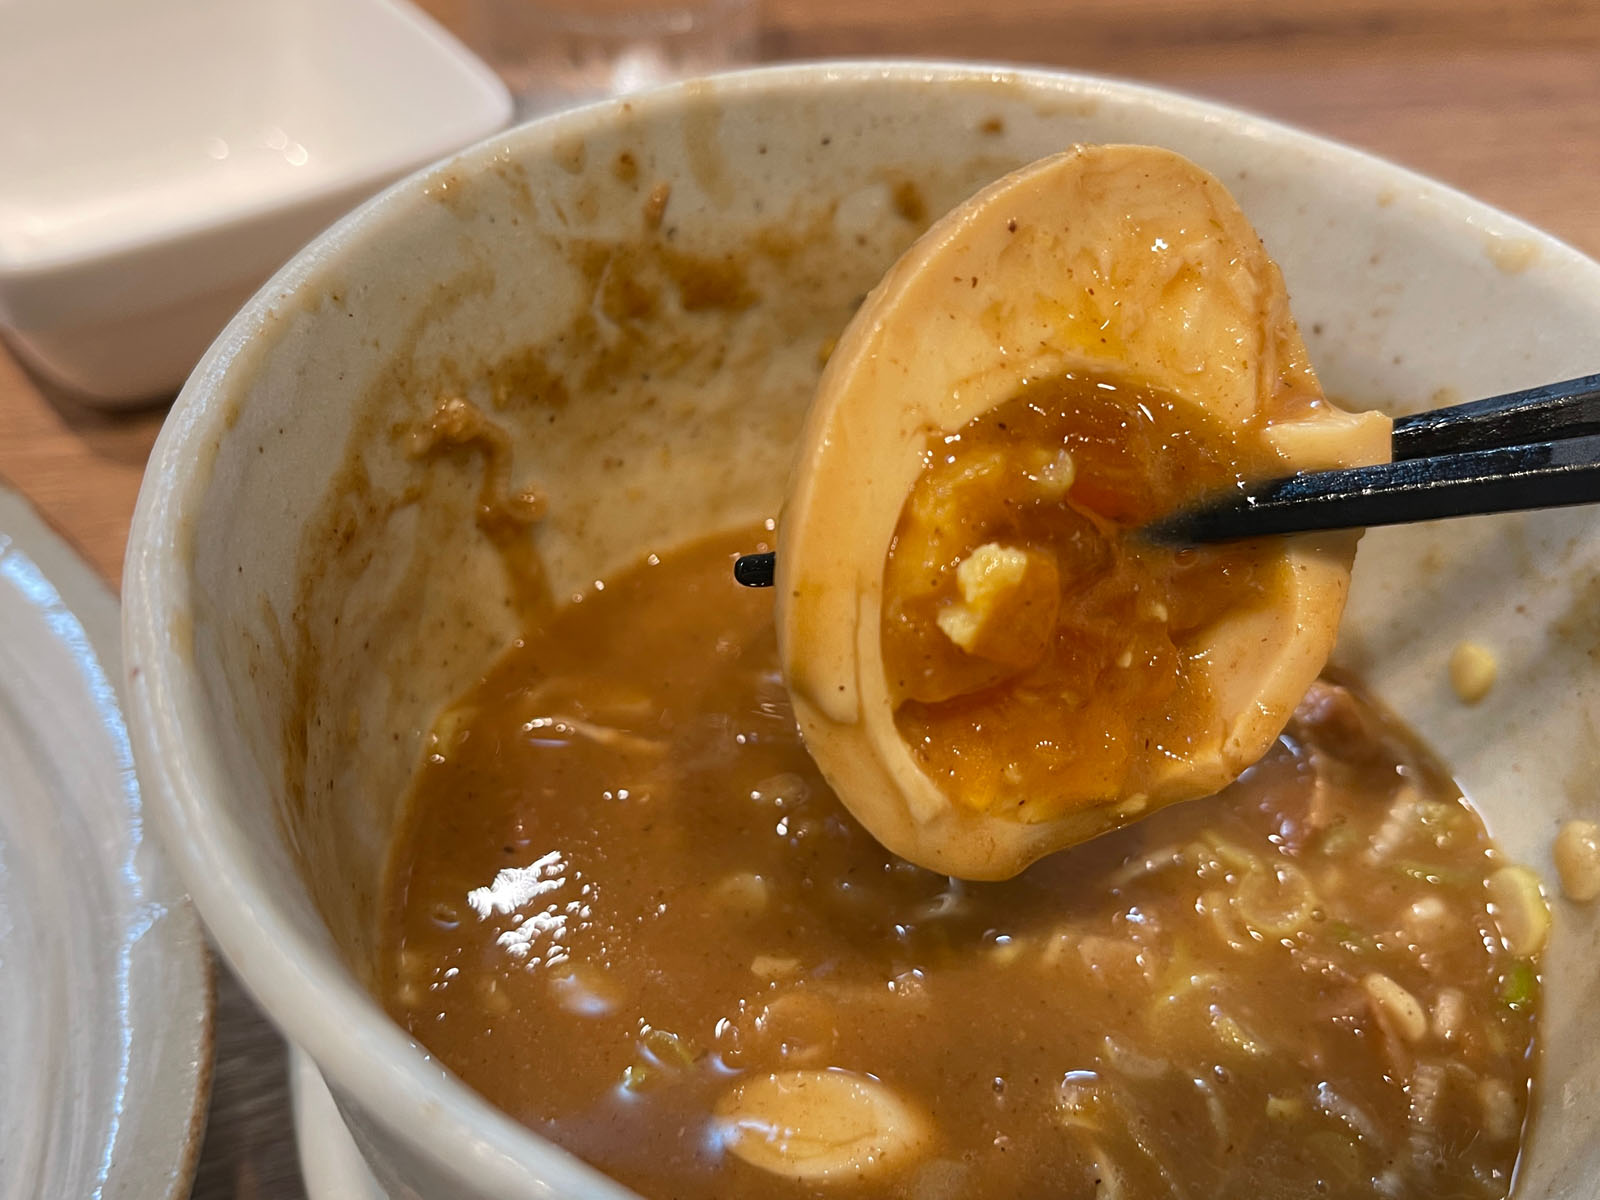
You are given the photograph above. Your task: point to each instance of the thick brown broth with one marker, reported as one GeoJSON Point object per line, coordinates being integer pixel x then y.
{"type": "Point", "coordinates": [625, 892]}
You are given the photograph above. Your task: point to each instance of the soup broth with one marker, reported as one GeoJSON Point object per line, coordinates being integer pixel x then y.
{"type": "Point", "coordinates": [628, 911]}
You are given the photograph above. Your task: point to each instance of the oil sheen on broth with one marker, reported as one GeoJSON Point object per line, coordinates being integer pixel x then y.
{"type": "Point", "coordinates": [628, 911]}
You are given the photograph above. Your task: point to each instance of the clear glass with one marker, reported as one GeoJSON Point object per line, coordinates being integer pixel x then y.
{"type": "Point", "coordinates": [557, 53]}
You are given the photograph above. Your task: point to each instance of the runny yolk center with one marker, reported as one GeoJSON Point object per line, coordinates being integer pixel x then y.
{"type": "Point", "coordinates": [1041, 655]}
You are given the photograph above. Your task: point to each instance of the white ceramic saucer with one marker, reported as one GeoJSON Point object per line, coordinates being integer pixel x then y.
{"type": "Point", "coordinates": [105, 987]}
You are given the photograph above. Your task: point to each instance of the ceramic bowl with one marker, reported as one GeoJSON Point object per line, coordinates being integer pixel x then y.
{"type": "Point", "coordinates": [302, 593]}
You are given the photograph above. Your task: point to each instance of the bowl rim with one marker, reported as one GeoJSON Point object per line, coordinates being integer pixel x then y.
{"type": "Point", "coordinates": [306, 989]}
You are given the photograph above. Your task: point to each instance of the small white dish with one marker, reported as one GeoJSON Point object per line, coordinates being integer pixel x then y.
{"type": "Point", "coordinates": [105, 1048]}
{"type": "Point", "coordinates": [163, 158]}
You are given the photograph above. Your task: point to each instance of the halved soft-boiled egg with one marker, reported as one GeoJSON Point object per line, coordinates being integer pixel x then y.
{"type": "Point", "coordinates": [987, 661]}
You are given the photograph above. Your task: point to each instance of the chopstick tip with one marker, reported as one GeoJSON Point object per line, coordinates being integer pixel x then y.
{"type": "Point", "coordinates": [755, 570]}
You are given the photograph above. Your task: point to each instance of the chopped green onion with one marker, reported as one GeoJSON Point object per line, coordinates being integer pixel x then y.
{"type": "Point", "coordinates": [635, 1077]}
{"type": "Point", "coordinates": [1351, 938]}
{"type": "Point", "coordinates": [1441, 819]}
{"type": "Point", "coordinates": [668, 1049]}
{"type": "Point", "coordinates": [1437, 812]}
{"type": "Point", "coordinates": [661, 1054]}
{"type": "Point", "coordinates": [1230, 1033]}
{"type": "Point", "coordinates": [1232, 855]}
{"type": "Point", "coordinates": [1519, 986]}
{"type": "Point", "coordinates": [1275, 900]}
{"type": "Point", "coordinates": [1428, 873]}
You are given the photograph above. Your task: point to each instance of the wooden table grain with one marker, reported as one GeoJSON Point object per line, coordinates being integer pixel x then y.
{"type": "Point", "coordinates": [1500, 98]}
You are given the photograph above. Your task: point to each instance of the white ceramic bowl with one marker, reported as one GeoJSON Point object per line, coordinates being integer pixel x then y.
{"type": "Point", "coordinates": [292, 621]}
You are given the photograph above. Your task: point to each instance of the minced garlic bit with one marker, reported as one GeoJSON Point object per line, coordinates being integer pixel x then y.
{"type": "Point", "coordinates": [743, 894]}
{"type": "Point", "coordinates": [1398, 1007]}
{"type": "Point", "coordinates": [1472, 671]}
{"type": "Point", "coordinates": [773, 966]}
{"type": "Point", "coordinates": [1451, 1016]}
{"type": "Point", "coordinates": [1577, 856]}
{"type": "Point", "coordinates": [1519, 910]}
{"type": "Point", "coordinates": [1052, 475]}
{"type": "Point", "coordinates": [820, 1126]}
{"type": "Point", "coordinates": [1009, 600]}
{"type": "Point", "coordinates": [1502, 1120]}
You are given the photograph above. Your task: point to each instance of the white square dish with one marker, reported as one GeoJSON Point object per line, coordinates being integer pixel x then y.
{"type": "Point", "coordinates": [163, 158]}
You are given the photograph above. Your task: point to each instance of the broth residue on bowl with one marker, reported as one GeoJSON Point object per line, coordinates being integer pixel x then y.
{"type": "Point", "coordinates": [627, 909]}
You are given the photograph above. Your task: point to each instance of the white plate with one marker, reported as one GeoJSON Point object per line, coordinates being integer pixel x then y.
{"type": "Point", "coordinates": [105, 987]}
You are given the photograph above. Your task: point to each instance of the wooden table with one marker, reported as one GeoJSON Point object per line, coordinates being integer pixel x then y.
{"type": "Point", "coordinates": [1498, 97]}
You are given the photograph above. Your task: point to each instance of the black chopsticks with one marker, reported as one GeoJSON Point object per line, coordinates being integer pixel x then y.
{"type": "Point", "coordinates": [755, 570]}
{"type": "Point", "coordinates": [1538, 448]}
{"type": "Point", "coordinates": [1542, 414]}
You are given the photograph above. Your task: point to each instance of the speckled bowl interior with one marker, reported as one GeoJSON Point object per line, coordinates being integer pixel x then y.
{"type": "Point", "coordinates": [641, 295]}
